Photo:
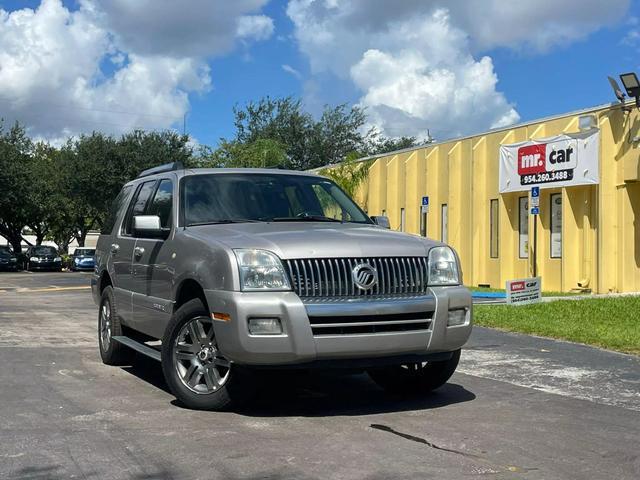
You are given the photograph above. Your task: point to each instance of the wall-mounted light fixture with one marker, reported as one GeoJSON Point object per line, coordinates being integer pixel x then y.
{"type": "Point", "coordinates": [632, 86]}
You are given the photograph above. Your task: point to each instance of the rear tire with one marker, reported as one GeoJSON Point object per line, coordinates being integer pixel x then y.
{"type": "Point", "coordinates": [415, 377]}
{"type": "Point", "coordinates": [109, 326]}
{"type": "Point", "coordinates": [193, 366]}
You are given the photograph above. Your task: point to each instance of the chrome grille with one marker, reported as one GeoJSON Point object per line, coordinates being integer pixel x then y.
{"type": "Point", "coordinates": [332, 277]}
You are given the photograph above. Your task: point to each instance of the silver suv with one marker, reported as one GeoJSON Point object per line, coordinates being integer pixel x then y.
{"type": "Point", "coordinates": [234, 269]}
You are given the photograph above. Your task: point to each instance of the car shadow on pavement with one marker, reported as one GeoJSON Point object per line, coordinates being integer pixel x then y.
{"type": "Point", "coordinates": [318, 393]}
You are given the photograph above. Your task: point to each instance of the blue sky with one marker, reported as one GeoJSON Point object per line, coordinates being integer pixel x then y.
{"type": "Point", "coordinates": [439, 74]}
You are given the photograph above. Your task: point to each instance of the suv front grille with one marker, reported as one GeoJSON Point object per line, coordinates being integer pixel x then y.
{"type": "Point", "coordinates": [367, 324]}
{"type": "Point", "coordinates": [333, 277]}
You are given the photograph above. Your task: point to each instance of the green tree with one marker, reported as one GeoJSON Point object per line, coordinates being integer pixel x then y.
{"type": "Point", "coordinates": [308, 143]}
{"type": "Point", "coordinates": [15, 183]}
{"type": "Point", "coordinates": [97, 166]}
{"type": "Point", "coordinates": [42, 198]}
{"type": "Point", "coordinates": [349, 174]}
{"type": "Point", "coordinates": [380, 144]}
{"type": "Point", "coordinates": [262, 153]}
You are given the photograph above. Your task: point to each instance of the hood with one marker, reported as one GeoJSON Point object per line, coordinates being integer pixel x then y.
{"type": "Point", "coordinates": [316, 240]}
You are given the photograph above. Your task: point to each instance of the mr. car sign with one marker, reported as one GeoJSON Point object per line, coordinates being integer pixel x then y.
{"type": "Point", "coordinates": [559, 161]}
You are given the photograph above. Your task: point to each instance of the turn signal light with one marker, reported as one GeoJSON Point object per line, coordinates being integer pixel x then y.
{"type": "Point", "coordinates": [223, 317]}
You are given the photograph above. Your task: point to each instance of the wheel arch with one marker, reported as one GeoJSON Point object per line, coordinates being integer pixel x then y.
{"type": "Point", "coordinates": [189, 289]}
{"type": "Point", "coordinates": [105, 281]}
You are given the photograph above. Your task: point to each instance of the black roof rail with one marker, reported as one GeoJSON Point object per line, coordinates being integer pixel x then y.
{"type": "Point", "coordinates": [167, 167]}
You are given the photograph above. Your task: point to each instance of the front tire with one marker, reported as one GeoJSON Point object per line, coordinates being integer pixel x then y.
{"type": "Point", "coordinates": [416, 377]}
{"type": "Point", "coordinates": [112, 352]}
{"type": "Point", "coordinates": [194, 368]}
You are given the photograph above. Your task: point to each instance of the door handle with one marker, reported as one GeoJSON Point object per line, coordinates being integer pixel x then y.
{"type": "Point", "coordinates": [138, 251]}
{"type": "Point", "coordinates": [114, 248]}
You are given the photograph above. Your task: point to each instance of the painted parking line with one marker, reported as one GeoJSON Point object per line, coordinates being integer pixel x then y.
{"type": "Point", "coordinates": [40, 290]}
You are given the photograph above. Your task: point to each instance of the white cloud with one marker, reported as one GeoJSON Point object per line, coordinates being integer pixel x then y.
{"type": "Point", "coordinates": [108, 66]}
{"type": "Point", "coordinates": [289, 69]}
{"type": "Point", "coordinates": [254, 27]}
{"type": "Point", "coordinates": [175, 28]}
{"type": "Point", "coordinates": [418, 62]}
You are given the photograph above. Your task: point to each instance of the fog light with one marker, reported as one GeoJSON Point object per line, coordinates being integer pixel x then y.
{"type": "Point", "coordinates": [265, 326]}
{"type": "Point", "coordinates": [457, 317]}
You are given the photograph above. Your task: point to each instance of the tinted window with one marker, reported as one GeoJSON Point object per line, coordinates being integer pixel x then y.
{"type": "Point", "coordinates": [116, 206]}
{"type": "Point", "coordinates": [161, 203]}
{"type": "Point", "coordinates": [84, 251]}
{"type": "Point", "coordinates": [138, 204]}
{"type": "Point", "coordinates": [265, 197]}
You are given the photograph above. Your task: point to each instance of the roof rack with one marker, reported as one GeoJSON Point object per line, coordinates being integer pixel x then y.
{"type": "Point", "coordinates": [167, 167]}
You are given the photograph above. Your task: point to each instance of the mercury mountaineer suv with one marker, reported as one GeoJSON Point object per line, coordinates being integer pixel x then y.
{"type": "Point", "coordinates": [235, 269]}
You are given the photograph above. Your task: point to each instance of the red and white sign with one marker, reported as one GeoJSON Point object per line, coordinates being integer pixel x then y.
{"type": "Point", "coordinates": [524, 291]}
{"type": "Point", "coordinates": [562, 161]}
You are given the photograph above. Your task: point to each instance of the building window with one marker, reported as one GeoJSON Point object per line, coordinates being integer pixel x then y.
{"type": "Point", "coordinates": [402, 219]}
{"type": "Point", "coordinates": [556, 225]}
{"type": "Point", "coordinates": [523, 222]}
{"type": "Point", "coordinates": [493, 221]}
{"type": "Point", "coordinates": [444, 223]}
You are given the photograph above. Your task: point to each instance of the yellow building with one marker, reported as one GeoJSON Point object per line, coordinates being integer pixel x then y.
{"type": "Point", "coordinates": [588, 236]}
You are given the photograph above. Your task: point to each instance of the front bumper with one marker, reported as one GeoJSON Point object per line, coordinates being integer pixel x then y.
{"type": "Point", "coordinates": [45, 265]}
{"type": "Point", "coordinates": [300, 343]}
{"type": "Point", "coordinates": [85, 266]}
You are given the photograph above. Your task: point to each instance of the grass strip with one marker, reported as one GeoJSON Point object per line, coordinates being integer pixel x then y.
{"type": "Point", "coordinates": [612, 323]}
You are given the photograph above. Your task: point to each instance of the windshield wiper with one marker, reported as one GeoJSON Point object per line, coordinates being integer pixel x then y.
{"type": "Point", "coordinates": [306, 218]}
{"type": "Point", "coordinates": [225, 221]}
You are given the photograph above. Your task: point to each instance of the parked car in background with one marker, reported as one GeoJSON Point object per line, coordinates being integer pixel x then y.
{"type": "Point", "coordinates": [83, 259]}
{"type": "Point", "coordinates": [42, 257]}
{"type": "Point", "coordinates": [8, 259]}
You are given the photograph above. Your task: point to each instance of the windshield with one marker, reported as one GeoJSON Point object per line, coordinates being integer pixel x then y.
{"type": "Point", "coordinates": [248, 197]}
{"type": "Point", "coordinates": [84, 251]}
{"type": "Point", "coordinates": [44, 251]}
{"type": "Point", "coordinates": [5, 251]}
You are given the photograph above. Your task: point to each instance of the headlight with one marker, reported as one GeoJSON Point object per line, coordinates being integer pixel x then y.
{"type": "Point", "coordinates": [443, 267]}
{"type": "Point", "coordinates": [261, 270]}
{"type": "Point", "coordinates": [34, 259]}
{"type": "Point", "coordinates": [13, 259]}
{"type": "Point", "coordinates": [76, 260]}
{"type": "Point", "coordinates": [57, 259]}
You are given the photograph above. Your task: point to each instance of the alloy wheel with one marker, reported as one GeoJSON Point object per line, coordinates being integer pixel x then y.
{"type": "Point", "coordinates": [105, 324]}
{"type": "Point", "coordinates": [198, 362]}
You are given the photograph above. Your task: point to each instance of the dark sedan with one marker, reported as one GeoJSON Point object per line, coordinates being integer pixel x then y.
{"type": "Point", "coordinates": [42, 257]}
{"type": "Point", "coordinates": [8, 259]}
{"type": "Point", "coordinates": [83, 259]}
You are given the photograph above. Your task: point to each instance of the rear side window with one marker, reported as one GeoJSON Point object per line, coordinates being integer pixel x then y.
{"type": "Point", "coordinates": [116, 207]}
{"type": "Point", "coordinates": [162, 202]}
{"type": "Point", "coordinates": [138, 204]}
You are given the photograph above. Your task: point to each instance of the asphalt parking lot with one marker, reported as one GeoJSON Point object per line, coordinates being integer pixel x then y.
{"type": "Point", "coordinates": [518, 407]}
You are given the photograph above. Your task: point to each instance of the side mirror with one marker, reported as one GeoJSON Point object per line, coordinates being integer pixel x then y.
{"type": "Point", "coordinates": [148, 226]}
{"type": "Point", "coordinates": [381, 220]}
